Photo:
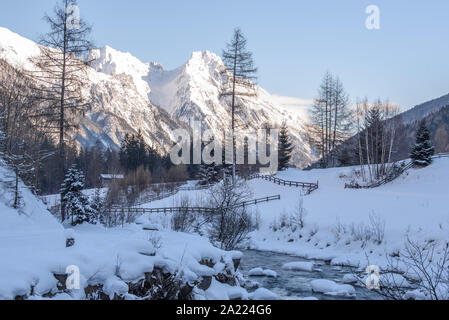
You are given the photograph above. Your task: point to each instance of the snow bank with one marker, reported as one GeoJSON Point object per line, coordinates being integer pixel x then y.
{"type": "Point", "coordinates": [259, 272]}
{"type": "Point", "coordinates": [329, 287]}
{"type": "Point", "coordinates": [299, 266]}
{"type": "Point", "coordinates": [34, 256]}
{"type": "Point", "coordinates": [263, 294]}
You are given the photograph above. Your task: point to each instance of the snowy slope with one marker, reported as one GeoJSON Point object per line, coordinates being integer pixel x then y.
{"type": "Point", "coordinates": [33, 249]}
{"type": "Point", "coordinates": [414, 204]}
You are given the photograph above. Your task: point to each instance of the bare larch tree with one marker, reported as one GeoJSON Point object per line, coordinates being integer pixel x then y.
{"type": "Point", "coordinates": [61, 71]}
{"type": "Point", "coordinates": [241, 74]}
{"type": "Point", "coordinates": [331, 119]}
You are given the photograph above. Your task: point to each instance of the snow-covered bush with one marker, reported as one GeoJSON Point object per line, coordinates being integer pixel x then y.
{"type": "Point", "coordinates": [374, 231]}
{"type": "Point", "coordinates": [377, 228]}
{"type": "Point", "coordinates": [419, 271]}
{"type": "Point", "coordinates": [292, 221]}
{"type": "Point", "coordinates": [184, 220]}
{"type": "Point", "coordinates": [155, 240]}
{"type": "Point", "coordinates": [297, 218]}
{"type": "Point", "coordinates": [230, 224]}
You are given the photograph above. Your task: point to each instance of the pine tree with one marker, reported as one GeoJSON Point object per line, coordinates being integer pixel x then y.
{"type": "Point", "coordinates": [133, 152]}
{"type": "Point", "coordinates": [423, 150]}
{"type": "Point", "coordinates": [285, 148]}
{"type": "Point", "coordinates": [208, 174]}
{"type": "Point", "coordinates": [77, 204]}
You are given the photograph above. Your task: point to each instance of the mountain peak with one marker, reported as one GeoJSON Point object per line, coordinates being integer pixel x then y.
{"type": "Point", "coordinates": [204, 58]}
{"type": "Point", "coordinates": [16, 49]}
{"type": "Point", "coordinates": [113, 62]}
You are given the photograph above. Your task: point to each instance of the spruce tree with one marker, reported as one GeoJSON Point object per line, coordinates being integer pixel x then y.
{"type": "Point", "coordinates": [97, 204]}
{"type": "Point", "coordinates": [133, 152]}
{"type": "Point", "coordinates": [423, 150]}
{"type": "Point", "coordinates": [77, 204]}
{"type": "Point", "coordinates": [285, 148]}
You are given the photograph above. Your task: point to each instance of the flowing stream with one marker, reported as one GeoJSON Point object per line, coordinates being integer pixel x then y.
{"type": "Point", "coordinates": [291, 285]}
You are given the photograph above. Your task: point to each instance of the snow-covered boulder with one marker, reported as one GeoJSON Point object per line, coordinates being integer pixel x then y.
{"type": "Point", "coordinates": [299, 266]}
{"type": "Point", "coordinates": [351, 279]}
{"type": "Point", "coordinates": [330, 287]}
{"type": "Point", "coordinates": [259, 272]}
{"type": "Point", "coordinates": [263, 294]}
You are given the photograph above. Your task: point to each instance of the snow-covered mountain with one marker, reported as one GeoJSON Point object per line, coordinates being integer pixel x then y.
{"type": "Point", "coordinates": [192, 92]}
{"type": "Point", "coordinates": [119, 104]}
{"type": "Point", "coordinates": [130, 95]}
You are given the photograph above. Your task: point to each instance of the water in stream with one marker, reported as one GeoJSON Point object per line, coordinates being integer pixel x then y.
{"type": "Point", "coordinates": [296, 284]}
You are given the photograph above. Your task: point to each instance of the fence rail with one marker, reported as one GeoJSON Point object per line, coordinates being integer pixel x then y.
{"type": "Point", "coordinates": [200, 210]}
{"type": "Point", "coordinates": [441, 155]}
{"type": "Point", "coordinates": [308, 186]}
{"type": "Point", "coordinates": [172, 193]}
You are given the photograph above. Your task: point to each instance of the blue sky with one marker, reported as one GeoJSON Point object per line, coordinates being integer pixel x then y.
{"type": "Point", "coordinates": [294, 41]}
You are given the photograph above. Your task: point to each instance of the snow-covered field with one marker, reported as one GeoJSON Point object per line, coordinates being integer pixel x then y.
{"type": "Point", "coordinates": [415, 204]}
{"type": "Point", "coordinates": [33, 244]}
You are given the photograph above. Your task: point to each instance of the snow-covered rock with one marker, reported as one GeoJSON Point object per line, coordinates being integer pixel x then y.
{"type": "Point", "coordinates": [263, 294]}
{"type": "Point", "coordinates": [330, 287]}
{"type": "Point", "coordinates": [299, 266]}
{"type": "Point", "coordinates": [351, 279]}
{"type": "Point", "coordinates": [259, 272]}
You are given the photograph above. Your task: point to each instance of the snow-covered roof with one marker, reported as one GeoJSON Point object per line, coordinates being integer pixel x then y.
{"type": "Point", "coordinates": [112, 176]}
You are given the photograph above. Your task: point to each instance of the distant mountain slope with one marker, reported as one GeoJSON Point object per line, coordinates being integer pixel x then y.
{"type": "Point", "coordinates": [438, 124]}
{"type": "Point", "coordinates": [424, 109]}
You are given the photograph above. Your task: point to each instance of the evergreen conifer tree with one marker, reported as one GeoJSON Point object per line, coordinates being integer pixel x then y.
{"type": "Point", "coordinates": [285, 148]}
{"type": "Point", "coordinates": [77, 204]}
{"type": "Point", "coordinates": [423, 150]}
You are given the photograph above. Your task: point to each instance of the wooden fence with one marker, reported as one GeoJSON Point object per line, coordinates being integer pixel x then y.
{"type": "Point", "coordinates": [200, 210]}
{"type": "Point", "coordinates": [308, 186]}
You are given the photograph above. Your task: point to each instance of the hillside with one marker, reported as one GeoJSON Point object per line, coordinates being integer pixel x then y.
{"type": "Point", "coordinates": [113, 263]}
{"type": "Point", "coordinates": [420, 111]}
{"type": "Point", "coordinates": [414, 204]}
{"type": "Point", "coordinates": [438, 124]}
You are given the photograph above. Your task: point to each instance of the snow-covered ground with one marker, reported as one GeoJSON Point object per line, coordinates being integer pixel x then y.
{"type": "Point", "coordinates": [414, 204]}
{"type": "Point", "coordinates": [33, 250]}
{"type": "Point", "coordinates": [33, 243]}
